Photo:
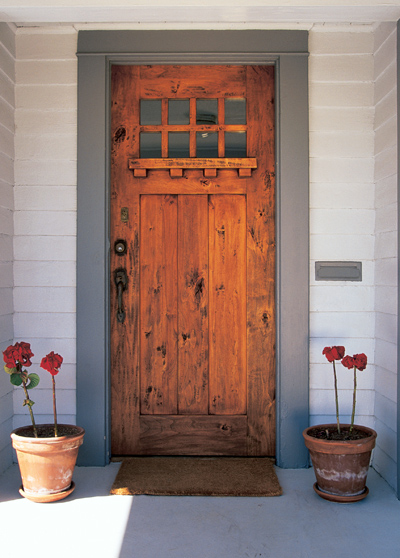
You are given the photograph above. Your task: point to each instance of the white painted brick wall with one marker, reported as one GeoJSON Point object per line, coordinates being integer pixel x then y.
{"type": "Point", "coordinates": [342, 213]}
{"type": "Point", "coordinates": [45, 211]}
{"type": "Point", "coordinates": [386, 280]}
{"type": "Point", "coordinates": [7, 107]}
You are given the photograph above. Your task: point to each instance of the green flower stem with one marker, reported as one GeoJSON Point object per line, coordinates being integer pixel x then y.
{"type": "Point", "coordinates": [354, 401]}
{"type": "Point", "coordinates": [54, 407]}
{"type": "Point", "coordinates": [30, 410]}
{"type": "Point", "coordinates": [336, 397]}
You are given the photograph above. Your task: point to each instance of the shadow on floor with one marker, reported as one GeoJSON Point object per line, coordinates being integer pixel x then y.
{"type": "Point", "coordinates": [297, 524]}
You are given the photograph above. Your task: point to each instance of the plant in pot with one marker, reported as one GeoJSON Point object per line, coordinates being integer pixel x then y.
{"type": "Point", "coordinates": [341, 453]}
{"type": "Point", "coordinates": [46, 453]}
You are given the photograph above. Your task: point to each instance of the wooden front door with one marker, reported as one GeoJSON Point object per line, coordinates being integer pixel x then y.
{"type": "Point", "coordinates": [193, 260]}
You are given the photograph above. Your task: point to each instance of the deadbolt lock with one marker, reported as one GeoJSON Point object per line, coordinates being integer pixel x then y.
{"type": "Point", "coordinates": [120, 247]}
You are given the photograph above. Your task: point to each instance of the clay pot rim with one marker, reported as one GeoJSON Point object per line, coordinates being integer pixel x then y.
{"type": "Point", "coordinates": [340, 446]}
{"type": "Point", "coordinates": [52, 439]}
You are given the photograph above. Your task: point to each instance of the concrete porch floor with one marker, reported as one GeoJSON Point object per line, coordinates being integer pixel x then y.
{"type": "Point", "coordinates": [299, 524]}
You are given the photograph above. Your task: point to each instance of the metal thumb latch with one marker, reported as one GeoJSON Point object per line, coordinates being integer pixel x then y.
{"type": "Point", "coordinates": [121, 281]}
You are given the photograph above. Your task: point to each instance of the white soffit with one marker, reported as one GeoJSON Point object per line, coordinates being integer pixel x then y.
{"type": "Point", "coordinates": [183, 11]}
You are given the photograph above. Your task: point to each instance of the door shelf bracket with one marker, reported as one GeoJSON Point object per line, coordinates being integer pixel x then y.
{"type": "Point", "coordinates": [210, 167]}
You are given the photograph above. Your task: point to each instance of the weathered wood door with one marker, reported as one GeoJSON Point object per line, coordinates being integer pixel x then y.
{"type": "Point", "coordinates": [192, 260]}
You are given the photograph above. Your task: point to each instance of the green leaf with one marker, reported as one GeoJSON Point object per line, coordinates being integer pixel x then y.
{"type": "Point", "coordinates": [33, 381]}
{"type": "Point", "coordinates": [16, 379]}
{"type": "Point", "coordinates": [10, 370]}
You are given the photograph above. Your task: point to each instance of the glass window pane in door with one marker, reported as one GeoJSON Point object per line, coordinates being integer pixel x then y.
{"type": "Point", "coordinates": [178, 111]}
{"type": "Point", "coordinates": [235, 111]}
{"type": "Point", "coordinates": [178, 144]}
{"type": "Point", "coordinates": [206, 111]}
{"type": "Point", "coordinates": [150, 145]}
{"type": "Point", "coordinates": [235, 144]}
{"type": "Point", "coordinates": [206, 144]}
{"type": "Point", "coordinates": [150, 112]}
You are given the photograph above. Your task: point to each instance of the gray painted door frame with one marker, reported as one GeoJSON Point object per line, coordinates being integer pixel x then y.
{"type": "Point", "coordinates": [97, 51]}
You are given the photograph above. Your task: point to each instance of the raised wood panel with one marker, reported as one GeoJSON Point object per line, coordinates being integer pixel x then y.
{"type": "Point", "coordinates": [158, 304]}
{"type": "Point", "coordinates": [227, 245]}
{"type": "Point", "coordinates": [184, 435]}
{"type": "Point", "coordinates": [193, 304]}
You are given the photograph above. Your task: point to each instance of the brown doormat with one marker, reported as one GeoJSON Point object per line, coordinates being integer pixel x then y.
{"type": "Point", "coordinates": [197, 476]}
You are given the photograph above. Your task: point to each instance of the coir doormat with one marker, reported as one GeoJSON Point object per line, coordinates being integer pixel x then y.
{"type": "Point", "coordinates": [197, 476]}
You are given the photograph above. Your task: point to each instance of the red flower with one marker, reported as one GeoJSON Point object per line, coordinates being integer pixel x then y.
{"type": "Point", "coordinates": [10, 356]}
{"type": "Point", "coordinates": [334, 353]}
{"type": "Point", "coordinates": [52, 363]}
{"type": "Point", "coordinates": [348, 362]}
{"type": "Point", "coordinates": [360, 361]}
{"type": "Point", "coordinates": [20, 353]}
{"type": "Point", "coordinates": [25, 353]}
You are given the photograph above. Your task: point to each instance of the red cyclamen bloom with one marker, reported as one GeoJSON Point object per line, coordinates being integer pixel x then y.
{"type": "Point", "coordinates": [25, 353]}
{"type": "Point", "coordinates": [20, 353]}
{"type": "Point", "coordinates": [348, 362]}
{"type": "Point", "coordinates": [10, 356]}
{"type": "Point", "coordinates": [334, 353]}
{"type": "Point", "coordinates": [52, 363]}
{"type": "Point", "coordinates": [360, 361]}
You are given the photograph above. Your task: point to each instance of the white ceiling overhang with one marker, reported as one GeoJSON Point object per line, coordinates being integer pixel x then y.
{"type": "Point", "coordinates": [208, 11]}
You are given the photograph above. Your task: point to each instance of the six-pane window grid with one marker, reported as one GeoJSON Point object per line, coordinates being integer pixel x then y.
{"type": "Point", "coordinates": [202, 128]}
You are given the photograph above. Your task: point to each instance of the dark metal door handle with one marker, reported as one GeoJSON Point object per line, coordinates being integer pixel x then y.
{"type": "Point", "coordinates": [121, 280]}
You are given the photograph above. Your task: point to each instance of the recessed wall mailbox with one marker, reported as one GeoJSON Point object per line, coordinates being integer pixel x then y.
{"type": "Point", "coordinates": [338, 271]}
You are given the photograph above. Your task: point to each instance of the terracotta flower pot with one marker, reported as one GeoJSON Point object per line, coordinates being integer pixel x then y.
{"type": "Point", "coordinates": [47, 463]}
{"type": "Point", "coordinates": [340, 466]}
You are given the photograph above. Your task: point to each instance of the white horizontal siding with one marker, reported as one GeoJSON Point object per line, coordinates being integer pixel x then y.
{"type": "Point", "coordinates": [46, 72]}
{"type": "Point", "coordinates": [357, 144]}
{"type": "Point", "coordinates": [342, 67]}
{"type": "Point", "coordinates": [49, 223]}
{"type": "Point", "coordinates": [45, 274]}
{"type": "Point", "coordinates": [328, 119]}
{"type": "Point", "coordinates": [328, 42]}
{"type": "Point", "coordinates": [348, 325]}
{"type": "Point", "coordinates": [347, 221]}
{"type": "Point", "coordinates": [46, 198]}
{"type": "Point", "coordinates": [46, 172]}
{"type": "Point", "coordinates": [45, 211]}
{"type": "Point", "coordinates": [342, 214]}
{"type": "Point", "coordinates": [341, 196]}
{"type": "Point", "coordinates": [49, 122]}
{"type": "Point", "coordinates": [359, 298]}
{"type": "Point", "coordinates": [340, 247]}
{"type": "Point", "coordinates": [386, 279]}
{"type": "Point", "coordinates": [341, 95]}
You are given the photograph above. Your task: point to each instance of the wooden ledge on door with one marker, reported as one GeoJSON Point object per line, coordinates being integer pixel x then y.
{"type": "Point", "coordinates": [176, 167]}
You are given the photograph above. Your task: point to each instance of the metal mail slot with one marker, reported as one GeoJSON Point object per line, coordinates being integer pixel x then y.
{"type": "Point", "coordinates": [338, 271]}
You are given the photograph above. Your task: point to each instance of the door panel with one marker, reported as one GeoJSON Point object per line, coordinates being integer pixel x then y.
{"type": "Point", "coordinates": [193, 360]}
{"type": "Point", "coordinates": [227, 363]}
{"type": "Point", "coordinates": [193, 328]}
{"type": "Point", "coordinates": [158, 298]}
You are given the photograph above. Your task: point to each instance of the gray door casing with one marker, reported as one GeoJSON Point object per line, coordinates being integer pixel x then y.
{"type": "Point", "coordinates": [288, 51]}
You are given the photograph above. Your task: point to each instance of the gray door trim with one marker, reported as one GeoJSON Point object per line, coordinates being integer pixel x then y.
{"type": "Point", "coordinates": [288, 50]}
